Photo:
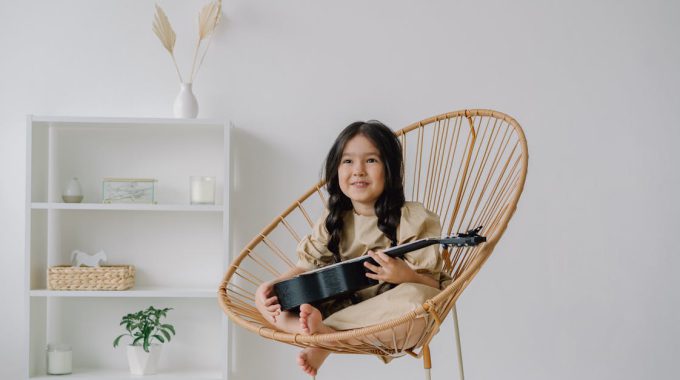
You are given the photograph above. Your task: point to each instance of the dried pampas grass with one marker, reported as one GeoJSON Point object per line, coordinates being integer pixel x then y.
{"type": "Point", "coordinates": [165, 33]}
{"type": "Point", "coordinates": [208, 19]}
{"type": "Point", "coordinates": [163, 29]}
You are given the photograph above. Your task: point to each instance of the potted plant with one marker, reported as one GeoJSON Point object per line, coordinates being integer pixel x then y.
{"type": "Point", "coordinates": [144, 327]}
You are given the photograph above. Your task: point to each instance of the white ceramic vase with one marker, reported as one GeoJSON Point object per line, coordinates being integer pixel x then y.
{"type": "Point", "coordinates": [73, 188]}
{"type": "Point", "coordinates": [142, 362]}
{"type": "Point", "coordinates": [186, 105]}
{"type": "Point", "coordinates": [73, 192]}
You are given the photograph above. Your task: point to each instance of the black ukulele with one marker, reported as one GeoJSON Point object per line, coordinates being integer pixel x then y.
{"type": "Point", "coordinates": [349, 276]}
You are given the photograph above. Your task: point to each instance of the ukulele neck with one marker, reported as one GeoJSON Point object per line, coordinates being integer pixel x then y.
{"type": "Point", "coordinates": [401, 250]}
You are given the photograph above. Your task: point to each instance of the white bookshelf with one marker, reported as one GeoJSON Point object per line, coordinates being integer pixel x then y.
{"type": "Point", "coordinates": [179, 250]}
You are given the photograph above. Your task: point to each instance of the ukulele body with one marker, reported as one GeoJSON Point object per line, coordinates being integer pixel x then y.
{"type": "Point", "coordinates": [325, 283]}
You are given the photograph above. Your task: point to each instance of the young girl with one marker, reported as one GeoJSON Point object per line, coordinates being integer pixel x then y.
{"type": "Point", "coordinates": [366, 214]}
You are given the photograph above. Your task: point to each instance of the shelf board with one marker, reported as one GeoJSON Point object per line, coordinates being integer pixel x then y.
{"type": "Point", "coordinates": [111, 374]}
{"type": "Point", "coordinates": [125, 207]}
{"type": "Point", "coordinates": [137, 292]}
{"type": "Point", "coordinates": [100, 121]}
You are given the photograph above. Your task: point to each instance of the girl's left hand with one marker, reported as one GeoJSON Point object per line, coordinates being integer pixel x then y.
{"type": "Point", "coordinates": [389, 269]}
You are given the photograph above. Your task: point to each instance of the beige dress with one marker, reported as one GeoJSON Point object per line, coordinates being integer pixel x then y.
{"type": "Point", "coordinates": [381, 302]}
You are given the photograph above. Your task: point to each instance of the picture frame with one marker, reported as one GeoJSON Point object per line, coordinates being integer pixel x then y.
{"type": "Point", "coordinates": [129, 190]}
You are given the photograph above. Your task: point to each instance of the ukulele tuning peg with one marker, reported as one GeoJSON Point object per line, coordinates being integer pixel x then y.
{"type": "Point", "coordinates": [474, 231]}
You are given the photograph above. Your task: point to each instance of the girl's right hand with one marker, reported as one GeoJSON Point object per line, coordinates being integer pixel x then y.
{"type": "Point", "coordinates": [264, 296]}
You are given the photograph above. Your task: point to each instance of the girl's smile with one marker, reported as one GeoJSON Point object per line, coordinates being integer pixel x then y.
{"type": "Point", "coordinates": [361, 174]}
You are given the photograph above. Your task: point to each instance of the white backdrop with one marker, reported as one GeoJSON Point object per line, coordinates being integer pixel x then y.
{"type": "Point", "coordinates": [585, 282]}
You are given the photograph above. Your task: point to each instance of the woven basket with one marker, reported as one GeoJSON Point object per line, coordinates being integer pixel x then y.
{"type": "Point", "coordinates": [106, 277]}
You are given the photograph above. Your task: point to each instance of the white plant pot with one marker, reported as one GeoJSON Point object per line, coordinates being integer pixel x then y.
{"type": "Point", "coordinates": [186, 105]}
{"type": "Point", "coordinates": [142, 362]}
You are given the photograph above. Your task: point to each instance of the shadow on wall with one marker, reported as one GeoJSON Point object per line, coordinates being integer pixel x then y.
{"type": "Point", "coordinates": [250, 197]}
{"type": "Point", "coordinates": [261, 188]}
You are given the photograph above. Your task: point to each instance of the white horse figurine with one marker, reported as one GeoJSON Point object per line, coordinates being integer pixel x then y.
{"type": "Point", "coordinates": [80, 258]}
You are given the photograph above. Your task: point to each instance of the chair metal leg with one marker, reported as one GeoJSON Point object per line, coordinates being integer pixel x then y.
{"type": "Point", "coordinates": [458, 347]}
{"type": "Point", "coordinates": [427, 362]}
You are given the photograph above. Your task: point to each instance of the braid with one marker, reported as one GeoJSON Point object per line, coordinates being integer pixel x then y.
{"type": "Point", "coordinates": [389, 214]}
{"type": "Point", "coordinates": [337, 205]}
{"type": "Point", "coordinates": [389, 204]}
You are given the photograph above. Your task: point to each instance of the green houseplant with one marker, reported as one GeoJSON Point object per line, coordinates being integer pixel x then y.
{"type": "Point", "coordinates": [144, 327]}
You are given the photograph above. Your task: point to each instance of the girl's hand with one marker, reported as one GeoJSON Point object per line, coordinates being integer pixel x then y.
{"type": "Point", "coordinates": [389, 269]}
{"type": "Point", "coordinates": [266, 300]}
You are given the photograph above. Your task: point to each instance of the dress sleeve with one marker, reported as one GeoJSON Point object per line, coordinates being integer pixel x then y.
{"type": "Point", "coordinates": [417, 222]}
{"type": "Point", "coordinates": [312, 250]}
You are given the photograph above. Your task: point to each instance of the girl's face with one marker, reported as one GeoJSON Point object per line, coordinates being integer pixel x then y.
{"type": "Point", "coordinates": [361, 174]}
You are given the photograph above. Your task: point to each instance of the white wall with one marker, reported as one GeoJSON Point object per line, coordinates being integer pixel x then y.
{"type": "Point", "coordinates": [584, 284]}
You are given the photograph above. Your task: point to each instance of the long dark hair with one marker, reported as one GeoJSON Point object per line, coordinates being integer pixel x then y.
{"type": "Point", "coordinates": [389, 204]}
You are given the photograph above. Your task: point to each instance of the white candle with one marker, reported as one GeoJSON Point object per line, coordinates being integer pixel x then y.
{"type": "Point", "coordinates": [202, 190]}
{"type": "Point", "coordinates": [59, 359]}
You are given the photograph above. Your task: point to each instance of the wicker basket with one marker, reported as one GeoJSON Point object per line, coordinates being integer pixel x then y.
{"type": "Point", "coordinates": [106, 277]}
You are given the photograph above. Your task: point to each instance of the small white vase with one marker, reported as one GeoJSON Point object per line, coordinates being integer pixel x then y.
{"type": "Point", "coordinates": [73, 188]}
{"type": "Point", "coordinates": [186, 106]}
{"type": "Point", "coordinates": [142, 362]}
{"type": "Point", "coordinates": [73, 192]}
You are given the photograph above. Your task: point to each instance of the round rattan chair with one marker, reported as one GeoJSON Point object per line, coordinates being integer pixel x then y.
{"type": "Point", "coordinates": [468, 166]}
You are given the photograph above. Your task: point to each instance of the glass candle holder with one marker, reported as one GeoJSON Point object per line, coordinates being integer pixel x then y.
{"type": "Point", "coordinates": [202, 190]}
{"type": "Point", "coordinates": [59, 359]}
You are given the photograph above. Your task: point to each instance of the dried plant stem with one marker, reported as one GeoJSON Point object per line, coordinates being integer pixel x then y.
{"type": "Point", "coordinates": [177, 68]}
{"type": "Point", "coordinates": [193, 65]}
{"type": "Point", "coordinates": [207, 46]}
{"type": "Point", "coordinates": [208, 19]}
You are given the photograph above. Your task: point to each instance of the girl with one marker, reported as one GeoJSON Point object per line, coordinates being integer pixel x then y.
{"type": "Point", "coordinates": [366, 214]}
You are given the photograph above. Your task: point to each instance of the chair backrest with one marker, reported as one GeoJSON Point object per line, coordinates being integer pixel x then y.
{"type": "Point", "coordinates": [468, 166]}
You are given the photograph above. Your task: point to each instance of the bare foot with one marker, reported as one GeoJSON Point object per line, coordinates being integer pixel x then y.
{"type": "Point", "coordinates": [311, 321]}
{"type": "Point", "coordinates": [311, 359]}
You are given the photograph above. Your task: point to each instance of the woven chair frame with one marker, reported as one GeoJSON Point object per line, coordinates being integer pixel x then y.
{"type": "Point", "coordinates": [468, 166]}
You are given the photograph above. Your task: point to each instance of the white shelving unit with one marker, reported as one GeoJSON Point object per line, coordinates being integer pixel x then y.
{"type": "Point", "coordinates": [179, 250]}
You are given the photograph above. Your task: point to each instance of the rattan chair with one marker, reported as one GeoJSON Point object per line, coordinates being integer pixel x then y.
{"type": "Point", "coordinates": [468, 166]}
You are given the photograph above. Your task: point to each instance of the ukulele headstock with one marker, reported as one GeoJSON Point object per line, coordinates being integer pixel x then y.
{"type": "Point", "coordinates": [464, 239]}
